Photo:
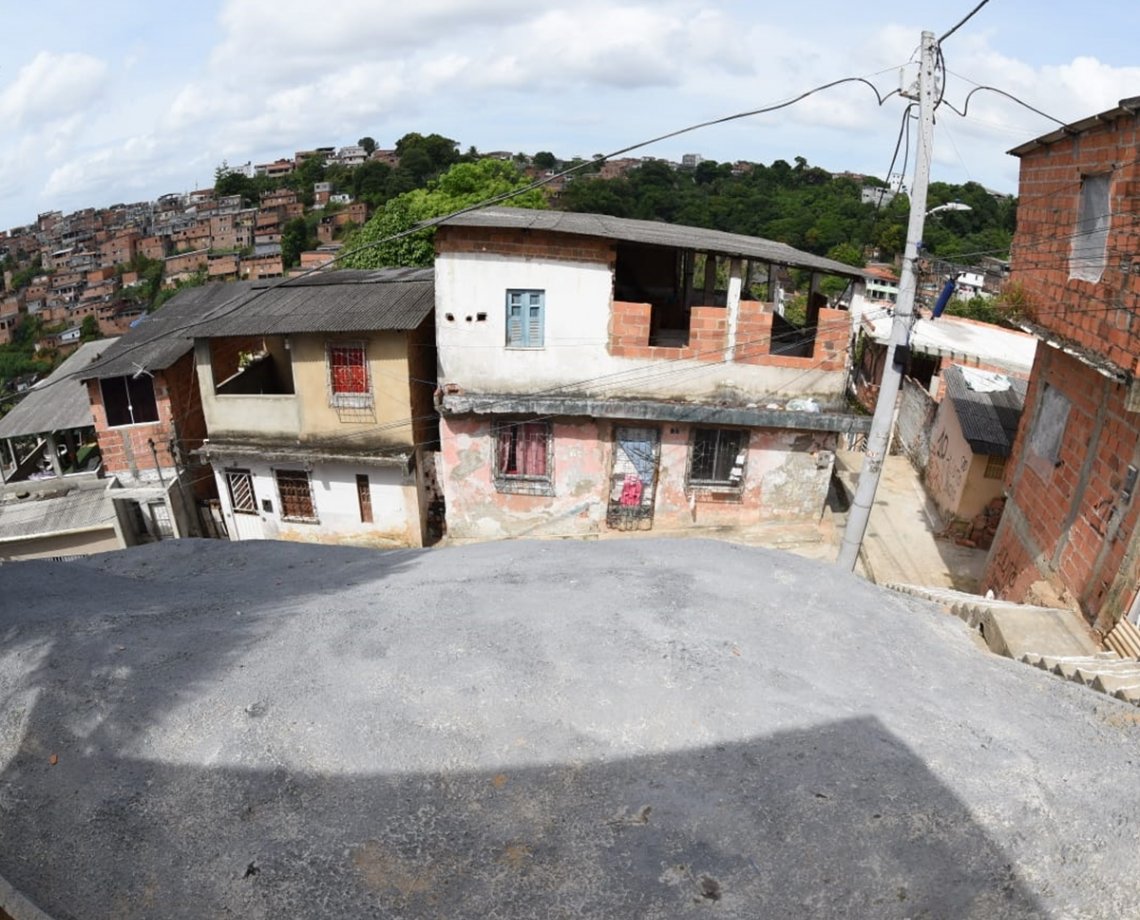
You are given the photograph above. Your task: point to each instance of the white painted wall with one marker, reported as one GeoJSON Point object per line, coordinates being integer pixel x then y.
{"type": "Point", "coordinates": [395, 508]}
{"type": "Point", "coordinates": [473, 354]}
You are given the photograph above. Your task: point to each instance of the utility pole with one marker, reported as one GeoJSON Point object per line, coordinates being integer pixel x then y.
{"type": "Point", "coordinates": [878, 440]}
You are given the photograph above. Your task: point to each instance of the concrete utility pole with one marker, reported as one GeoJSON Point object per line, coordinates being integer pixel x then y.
{"type": "Point", "coordinates": [878, 439]}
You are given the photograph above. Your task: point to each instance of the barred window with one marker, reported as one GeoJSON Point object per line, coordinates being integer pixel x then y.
{"type": "Point", "coordinates": [995, 467]}
{"type": "Point", "coordinates": [296, 494]}
{"type": "Point", "coordinates": [242, 498]}
{"type": "Point", "coordinates": [717, 458]}
{"type": "Point", "coordinates": [522, 457]}
{"type": "Point", "coordinates": [348, 375]}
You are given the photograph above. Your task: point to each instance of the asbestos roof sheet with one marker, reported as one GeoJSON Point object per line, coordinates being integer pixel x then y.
{"type": "Point", "coordinates": [337, 301]}
{"type": "Point", "coordinates": [162, 337]}
{"type": "Point", "coordinates": [652, 233]}
{"type": "Point", "coordinates": [989, 420]}
{"type": "Point", "coordinates": [82, 509]}
{"type": "Point", "coordinates": [59, 402]}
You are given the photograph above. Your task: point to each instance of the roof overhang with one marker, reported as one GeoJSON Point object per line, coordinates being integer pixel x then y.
{"type": "Point", "coordinates": [1125, 108]}
{"type": "Point", "coordinates": [652, 410]}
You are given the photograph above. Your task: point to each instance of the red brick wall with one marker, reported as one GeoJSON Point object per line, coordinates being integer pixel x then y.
{"type": "Point", "coordinates": [1104, 316]}
{"type": "Point", "coordinates": [1070, 524]}
{"type": "Point", "coordinates": [533, 243]}
{"type": "Point", "coordinates": [126, 448]}
{"type": "Point", "coordinates": [629, 333]}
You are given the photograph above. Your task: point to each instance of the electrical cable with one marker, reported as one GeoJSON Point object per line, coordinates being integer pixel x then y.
{"type": "Point", "coordinates": [961, 22]}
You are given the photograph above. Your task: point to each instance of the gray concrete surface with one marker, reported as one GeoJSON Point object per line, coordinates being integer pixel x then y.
{"type": "Point", "coordinates": [643, 728]}
{"type": "Point", "coordinates": [901, 544]}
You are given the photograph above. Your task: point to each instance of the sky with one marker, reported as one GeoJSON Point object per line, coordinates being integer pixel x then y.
{"type": "Point", "coordinates": [122, 100]}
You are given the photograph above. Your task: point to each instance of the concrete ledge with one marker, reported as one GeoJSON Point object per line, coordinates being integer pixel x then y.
{"type": "Point", "coordinates": [1017, 631]}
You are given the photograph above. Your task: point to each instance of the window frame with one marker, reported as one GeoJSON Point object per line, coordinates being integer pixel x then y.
{"type": "Point", "coordinates": [295, 475]}
{"type": "Point", "coordinates": [129, 383]}
{"type": "Point", "coordinates": [522, 482]}
{"type": "Point", "coordinates": [350, 400]}
{"type": "Point", "coordinates": [524, 339]}
{"type": "Point", "coordinates": [1088, 246]}
{"type": "Point", "coordinates": [230, 473]}
{"type": "Point", "coordinates": [725, 485]}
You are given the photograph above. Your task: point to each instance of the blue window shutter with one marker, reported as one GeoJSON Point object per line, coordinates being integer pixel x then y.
{"type": "Point", "coordinates": [525, 319]}
{"type": "Point", "coordinates": [535, 319]}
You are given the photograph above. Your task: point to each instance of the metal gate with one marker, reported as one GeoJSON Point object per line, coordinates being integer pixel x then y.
{"type": "Point", "coordinates": [633, 479]}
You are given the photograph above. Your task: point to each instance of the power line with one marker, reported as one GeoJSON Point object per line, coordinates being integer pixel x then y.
{"type": "Point", "coordinates": [961, 22]}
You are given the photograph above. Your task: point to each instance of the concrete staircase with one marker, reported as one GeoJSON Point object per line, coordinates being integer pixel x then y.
{"type": "Point", "coordinates": [1053, 639]}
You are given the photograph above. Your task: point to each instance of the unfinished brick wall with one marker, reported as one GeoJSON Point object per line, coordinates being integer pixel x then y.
{"type": "Point", "coordinates": [1071, 523]}
{"type": "Point", "coordinates": [1104, 316]}
{"type": "Point", "coordinates": [630, 328]}
{"type": "Point", "coordinates": [524, 243]}
{"type": "Point", "coordinates": [126, 448]}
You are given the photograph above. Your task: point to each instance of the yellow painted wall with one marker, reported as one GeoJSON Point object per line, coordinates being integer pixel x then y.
{"type": "Point", "coordinates": [391, 397]}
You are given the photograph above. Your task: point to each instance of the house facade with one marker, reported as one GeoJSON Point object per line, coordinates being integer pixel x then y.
{"type": "Point", "coordinates": [1070, 523]}
{"type": "Point", "coordinates": [147, 409]}
{"type": "Point", "coordinates": [605, 374]}
{"type": "Point", "coordinates": [318, 403]}
{"type": "Point", "coordinates": [970, 440]}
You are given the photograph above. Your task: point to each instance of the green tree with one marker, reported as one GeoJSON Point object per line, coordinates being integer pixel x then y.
{"type": "Point", "coordinates": [463, 185]}
{"type": "Point", "coordinates": [368, 144]}
{"type": "Point", "coordinates": [544, 159]}
{"type": "Point", "coordinates": [89, 329]}
{"type": "Point", "coordinates": [297, 236]}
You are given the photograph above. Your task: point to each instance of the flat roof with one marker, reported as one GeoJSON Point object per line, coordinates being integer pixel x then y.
{"type": "Point", "coordinates": [954, 337]}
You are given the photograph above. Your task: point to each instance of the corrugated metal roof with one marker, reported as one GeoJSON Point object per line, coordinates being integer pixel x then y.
{"type": "Point", "coordinates": [59, 402]}
{"type": "Point", "coordinates": [83, 509]}
{"type": "Point", "coordinates": [651, 233]}
{"type": "Point", "coordinates": [338, 301]}
{"type": "Point", "coordinates": [989, 420]}
{"type": "Point", "coordinates": [162, 337]}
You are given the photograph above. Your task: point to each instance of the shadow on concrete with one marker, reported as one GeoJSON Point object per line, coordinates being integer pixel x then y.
{"type": "Point", "coordinates": [837, 820]}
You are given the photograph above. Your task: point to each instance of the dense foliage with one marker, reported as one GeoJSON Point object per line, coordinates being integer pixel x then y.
{"type": "Point", "coordinates": [463, 185]}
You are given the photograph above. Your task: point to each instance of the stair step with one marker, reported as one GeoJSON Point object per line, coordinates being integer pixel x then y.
{"type": "Point", "coordinates": [1124, 639]}
{"type": "Point", "coordinates": [1112, 684]}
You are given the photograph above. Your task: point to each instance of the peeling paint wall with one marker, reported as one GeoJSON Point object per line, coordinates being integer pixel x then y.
{"type": "Point", "coordinates": [786, 478]}
{"type": "Point", "coordinates": [395, 505]}
{"type": "Point", "coordinates": [576, 355]}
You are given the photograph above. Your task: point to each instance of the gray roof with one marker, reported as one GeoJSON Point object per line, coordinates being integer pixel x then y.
{"type": "Point", "coordinates": [989, 420]}
{"type": "Point", "coordinates": [336, 301]}
{"type": "Point", "coordinates": [59, 402]}
{"type": "Point", "coordinates": [1126, 108]}
{"type": "Point", "coordinates": [162, 337]}
{"type": "Point", "coordinates": [652, 233]}
{"type": "Point", "coordinates": [79, 510]}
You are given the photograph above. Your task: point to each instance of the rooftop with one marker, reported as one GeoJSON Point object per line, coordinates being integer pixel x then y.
{"type": "Point", "coordinates": [653, 233]}
{"type": "Point", "coordinates": [523, 729]}
{"type": "Point", "coordinates": [72, 512]}
{"type": "Point", "coordinates": [59, 402]}
{"type": "Point", "coordinates": [989, 408]}
{"type": "Point", "coordinates": [956, 337]}
{"type": "Point", "coordinates": [333, 301]}
{"type": "Point", "coordinates": [1126, 108]}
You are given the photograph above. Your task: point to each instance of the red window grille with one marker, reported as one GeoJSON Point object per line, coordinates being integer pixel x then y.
{"type": "Point", "coordinates": [349, 368]}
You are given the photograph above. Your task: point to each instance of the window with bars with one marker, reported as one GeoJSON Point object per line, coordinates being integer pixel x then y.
{"type": "Point", "coordinates": [242, 497]}
{"type": "Point", "coordinates": [717, 457]}
{"type": "Point", "coordinates": [129, 400]}
{"type": "Point", "coordinates": [296, 495]}
{"type": "Point", "coordinates": [348, 375]}
{"type": "Point", "coordinates": [995, 467]}
{"type": "Point", "coordinates": [526, 318]}
{"type": "Point", "coordinates": [364, 497]}
{"type": "Point", "coordinates": [522, 457]}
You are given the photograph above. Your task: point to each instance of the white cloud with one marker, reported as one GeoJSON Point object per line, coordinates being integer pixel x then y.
{"type": "Point", "coordinates": [51, 86]}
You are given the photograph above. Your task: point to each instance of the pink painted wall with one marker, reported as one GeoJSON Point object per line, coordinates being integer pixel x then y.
{"type": "Point", "coordinates": [787, 474]}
